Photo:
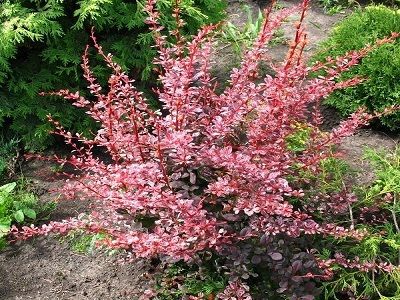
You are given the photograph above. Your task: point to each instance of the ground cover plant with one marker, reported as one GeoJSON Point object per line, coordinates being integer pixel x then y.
{"type": "Point", "coordinates": [80, 242]}
{"type": "Point", "coordinates": [380, 68]}
{"type": "Point", "coordinates": [225, 179]}
{"type": "Point", "coordinates": [240, 39]}
{"type": "Point", "coordinates": [18, 205]}
{"type": "Point", "coordinates": [41, 44]}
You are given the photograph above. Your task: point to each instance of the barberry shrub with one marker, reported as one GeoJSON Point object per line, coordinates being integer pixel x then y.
{"type": "Point", "coordinates": [214, 174]}
{"type": "Point", "coordinates": [41, 43]}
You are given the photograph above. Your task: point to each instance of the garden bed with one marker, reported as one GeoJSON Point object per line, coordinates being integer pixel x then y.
{"type": "Point", "coordinates": [44, 268]}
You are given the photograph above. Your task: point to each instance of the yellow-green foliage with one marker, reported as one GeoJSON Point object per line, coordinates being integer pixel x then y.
{"type": "Point", "coordinates": [382, 244]}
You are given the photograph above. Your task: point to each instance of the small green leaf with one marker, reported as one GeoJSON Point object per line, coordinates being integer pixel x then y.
{"type": "Point", "coordinates": [29, 212]}
{"type": "Point", "coordinates": [8, 188]}
{"type": "Point", "coordinates": [19, 216]}
{"type": "Point", "coordinates": [4, 229]}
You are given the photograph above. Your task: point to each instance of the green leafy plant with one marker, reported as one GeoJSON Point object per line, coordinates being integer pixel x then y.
{"type": "Point", "coordinates": [41, 43]}
{"type": "Point", "coordinates": [381, 68]}
{"type": "Point", "coordinates": [332, 7]}
{"type": "Point", "coordinates": [242, 38]}
{"type": "Point", "coordinates": [19, 207]}
{"type": "Point", "coordinates": [180, 280]}
{"type": "Point", "coordinates": [81, 242]}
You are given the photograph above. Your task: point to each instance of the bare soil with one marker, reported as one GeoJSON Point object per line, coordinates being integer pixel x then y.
{"type": "Point", "coordinates": [44, 268]}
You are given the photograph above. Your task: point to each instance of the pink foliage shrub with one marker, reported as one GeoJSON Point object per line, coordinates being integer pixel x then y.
{"type": "Point", "coordinates": [212, 169]}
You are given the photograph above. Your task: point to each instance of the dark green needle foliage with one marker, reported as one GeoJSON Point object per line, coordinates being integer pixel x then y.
{"type": "Point", "coordinates": [41, 43]}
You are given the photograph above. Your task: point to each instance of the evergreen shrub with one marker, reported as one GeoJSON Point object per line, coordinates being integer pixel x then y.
{"type": "Point", "coordinates": [41, 42]}
{"type": "Point", "coordinates": [381, 68]}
